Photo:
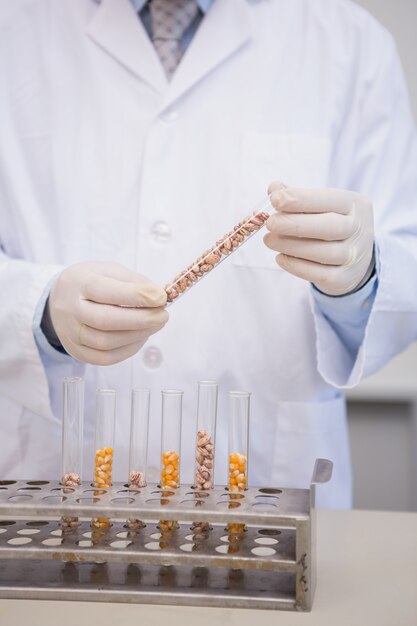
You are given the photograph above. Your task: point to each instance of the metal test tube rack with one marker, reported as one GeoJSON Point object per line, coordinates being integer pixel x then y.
{"type": "Point", "coordinates": [271, 566]}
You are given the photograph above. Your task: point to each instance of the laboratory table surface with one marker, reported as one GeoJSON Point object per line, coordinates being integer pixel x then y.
{"type": "Point", "coordinates": [367, 576]}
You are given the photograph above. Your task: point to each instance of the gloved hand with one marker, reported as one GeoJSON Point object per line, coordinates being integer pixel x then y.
{"type": "Point", "coordinates": [103, 313]}
{"type": "Point", "coordinates": [325, 236]}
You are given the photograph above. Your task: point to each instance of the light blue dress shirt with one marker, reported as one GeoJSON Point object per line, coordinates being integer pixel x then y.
{"type": "Point", "coordinates": [348, 315]}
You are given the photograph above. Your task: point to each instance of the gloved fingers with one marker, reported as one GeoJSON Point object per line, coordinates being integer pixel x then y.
{"type": "Point", "coordinates": [275, 186]}
{"type": "Point", "coordinates": [325, 226]}
{"type": "Point", "coordinates": [109, 340]}
{"type": "Point", "coordinates": [107, 290]}
{"type": "Point", "coordinates": [301, 200]}
{"type": "Point", "coordinates": [101, 357]}
{"type": "Point", "coordinates": [324, 252]}
{"type": "Point", "coordinates": [326, 277]}
{"type": "Point", "coordinates": [108, 317]}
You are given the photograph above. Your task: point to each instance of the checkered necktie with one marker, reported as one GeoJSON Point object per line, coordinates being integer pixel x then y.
{"type": "Point", "coordinates": [170, 19]}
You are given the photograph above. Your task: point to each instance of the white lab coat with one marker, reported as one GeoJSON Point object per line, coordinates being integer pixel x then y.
{"type": "Point", "coordinates": [101, 159]}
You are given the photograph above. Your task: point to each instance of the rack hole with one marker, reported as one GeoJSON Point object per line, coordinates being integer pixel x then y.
{"type": "Point", "coordinates": [264, 506]}
{"type": "Point", "coordinates": [164, 494]}
{"type": "Point", "coordinates": [232, 496]}
{"type": "Point", "coordinates": [19, 541]}
{"type": "Point", "coordinates": [198, 494]}
{"type": "Point", "coordinates": [269, 532]}
{"type": "Point", "coordinates": [122, 500]}
{"type": "Point", "coordinates": [156, 536]}
{"type": "Point", "coordinates": [263, 551]}
{"type": "Point", "coordinates": [266, 498]}
{"type": "Point", "coordinates": [20, 498]}
{"type": "Point", "coordinates": [266, 541]}
{"type": "Point", "coordinates": [37, 482]}
{"type": "Point", "coordinates": [6, 483]}
{"type": "Point", "coordinates": [186, 547]}
{"type": "Point", "coordinates": [29, 489]}
{"type": "Point", "coordinates": [28, 531]}
{"type": "Point", "coordinates": [52, 541]}
{"type": "Point", "coordinates": [7, 523]}
{"type": "Point", "coordinates": [120, 544]}
{"type": "Point", "coordinates": [268, 490]}
{"type": "Point", "coordinates": [96, 492]}
{"type": "Point", "coordinates": [37, 523]}
{"type": "Point", "coordinates": [56, 533]}
{"type": "Point", "coordinates": [60, 489]}
{"type": "Point", "coordinates": [54, 499]}
{"type": "Point", "coordinates": [84, 543]}
{"type": "Point", "coordinates": [227, 504]}
{"type": "Point", "coordinates": [134, 492]}
{"type": "Point", "coordinates": [162, 501]}
{"type": "Point", "coordinates": [152, 545]}
{"type": "Point", "coordinates": [222, 549]}
{"type": "Point", "coordinates": [191, 504]}
{"type": "Point", "coordinates": [87, 500]}
{"type": "Point", "coordinates": [3, 530]}
{"type": "Point", "coordinates": [233, 538]}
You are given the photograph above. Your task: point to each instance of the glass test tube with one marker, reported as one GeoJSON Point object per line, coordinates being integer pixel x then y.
{"type": "Point", "coordinates": [138, 445]}
{"type": "Point", "coordinates": [72, 439]}
{"type": "Point", "coordinates": [139, 425]}
{"type": "Point", "coordinates": [206, 434]}
{"type": "Point", "coordinates": [104, 443]}
{"type": "Point", "coordinates": [223, 247]}
{"type": "Point", "coordinates": [170, 446]}
{"type": "Point", "coordinates": [238, 449]}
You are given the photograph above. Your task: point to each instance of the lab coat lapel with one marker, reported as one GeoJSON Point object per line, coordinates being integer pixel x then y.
{"type": "Point", "coordinates": [223, 31]}
{"type": "Point", "coordinates": [118, 30]}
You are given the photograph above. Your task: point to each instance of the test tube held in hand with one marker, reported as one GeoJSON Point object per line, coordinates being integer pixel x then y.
{"type": "Point", "coordinates": [170, 447]}
{"type": "Point", "coordinates": [72, 440]}
{"type": "Point", "coordinates": [104, 445]}
{"type": "Point", "coordinates": [238, 452]}
{"type": "Point", "coordinates": [223, 247]}
{"type": "Point", "coordinates": [138, 455]}
{"type": "Point", "coordinates": [205, 442]}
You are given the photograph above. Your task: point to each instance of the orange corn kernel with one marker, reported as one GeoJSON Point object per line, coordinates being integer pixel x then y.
{"type": "Point", "coordinates": [237, 471]}
{"type": "Point", "coordinates": [170, 469]}
{"type": "Point", "coordinates": [103, 467]}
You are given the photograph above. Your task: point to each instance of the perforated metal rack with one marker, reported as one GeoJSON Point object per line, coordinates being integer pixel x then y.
{"type": "Point", "coordinates": [269, 565]}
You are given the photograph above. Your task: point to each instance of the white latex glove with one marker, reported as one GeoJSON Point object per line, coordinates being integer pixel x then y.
{"type": "Point", "coordinates": [103, 313]}
{"type": "Point", "coordinates": [325, 236]}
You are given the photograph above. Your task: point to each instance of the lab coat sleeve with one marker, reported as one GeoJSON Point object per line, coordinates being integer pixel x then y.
{"type": "Point", "coordinates": [348, 315]}
{"type": "Point", "coordinates": [23, 374]}
{"type": "Point", "coordinates": [379, 142]}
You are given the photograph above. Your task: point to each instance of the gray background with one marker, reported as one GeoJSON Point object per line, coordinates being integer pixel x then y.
{"type": "Point", "coordinates": [383, 409]}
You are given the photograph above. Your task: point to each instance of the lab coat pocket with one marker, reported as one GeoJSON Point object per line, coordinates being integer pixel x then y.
{"type": "Point", "coordinates": [309, 430]}
{"type": "Point", "coordinates": [297, 159]}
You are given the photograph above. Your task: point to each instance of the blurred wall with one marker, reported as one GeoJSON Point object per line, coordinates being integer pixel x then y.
{"type": "Point", "coordinates": [383, 409]}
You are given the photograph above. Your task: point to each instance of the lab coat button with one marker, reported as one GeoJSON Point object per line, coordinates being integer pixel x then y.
{"type": "Point", "coordinates": [169, 116]}
{"type": "Point", "coordinates": [160, 232]}
{"type": "Point", "coordinates": [152, 357]}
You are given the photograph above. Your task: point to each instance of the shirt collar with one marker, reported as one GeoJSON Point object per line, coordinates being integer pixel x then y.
{"type": "Point", "coordinates": [203, 5]}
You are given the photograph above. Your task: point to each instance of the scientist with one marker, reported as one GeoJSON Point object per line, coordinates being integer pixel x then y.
{"type": "Point", "coordinates": [133, 135]}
